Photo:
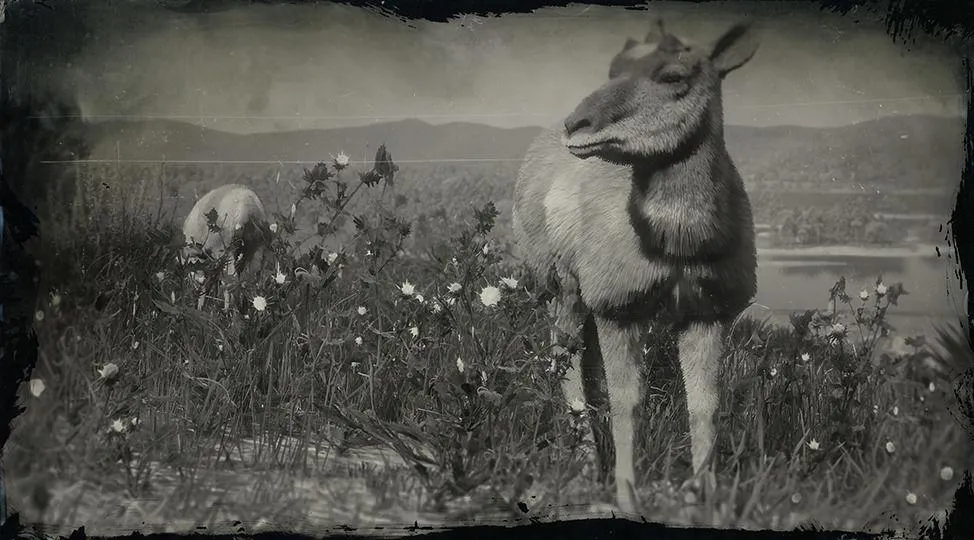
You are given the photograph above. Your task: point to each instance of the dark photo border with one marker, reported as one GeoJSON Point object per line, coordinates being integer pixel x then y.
{"type": "Point", "coordinates": [951, 20]}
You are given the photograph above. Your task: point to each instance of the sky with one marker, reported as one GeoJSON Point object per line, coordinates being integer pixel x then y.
{"type": "Point", "coordinates": [270, 68]}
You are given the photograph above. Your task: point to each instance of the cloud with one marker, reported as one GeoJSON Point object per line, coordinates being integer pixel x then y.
{"type": "Point", "coordinates": [266, 67]}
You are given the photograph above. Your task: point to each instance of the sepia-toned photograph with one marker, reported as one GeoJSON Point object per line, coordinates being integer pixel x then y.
{"type": "Point", "coordinates": [303, 266]}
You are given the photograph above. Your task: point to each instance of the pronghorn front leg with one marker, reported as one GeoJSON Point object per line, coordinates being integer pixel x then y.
{"type": "Point", "coordinates": [620, 354]}
{"type": "Point", "coordinates": [701, 347]}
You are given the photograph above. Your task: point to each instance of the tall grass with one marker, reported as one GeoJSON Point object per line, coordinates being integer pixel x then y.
{"type": "Point", "coordinates": [442, 359]}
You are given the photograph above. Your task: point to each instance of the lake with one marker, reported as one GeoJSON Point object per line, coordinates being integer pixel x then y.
{"type": "Point", "coordinates": [794, 280]}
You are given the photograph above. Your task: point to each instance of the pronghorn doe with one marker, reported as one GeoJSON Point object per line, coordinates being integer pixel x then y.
{"type": "Point", "coordinates": [243, 235]}
{"type": "Point", "coordinates": [637, 210]}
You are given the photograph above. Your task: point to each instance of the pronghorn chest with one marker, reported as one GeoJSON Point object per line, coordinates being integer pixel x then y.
{"type": "Point", "coordinates": [593, 235]}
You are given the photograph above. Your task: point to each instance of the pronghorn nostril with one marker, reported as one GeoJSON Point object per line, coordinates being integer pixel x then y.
{"type": "Point", "coordinates": [576, 123]}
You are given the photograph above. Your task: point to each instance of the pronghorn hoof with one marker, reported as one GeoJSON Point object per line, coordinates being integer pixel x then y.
{"type": "Point", "coordinates": [605, 510]}
{"type": "Point", "coordinates": [698, 487]}
{"type": "Point", "coordinates": [610, 510]}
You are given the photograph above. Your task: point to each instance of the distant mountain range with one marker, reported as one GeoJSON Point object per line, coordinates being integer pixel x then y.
{"type": "Point", "coordinates": [902, 151]}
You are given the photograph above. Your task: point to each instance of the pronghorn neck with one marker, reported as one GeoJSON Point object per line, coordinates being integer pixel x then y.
{"type": "Point", "coordinates": [694, 160]}
{"type": "Point", "coordinates": [682, 177]}
{"type": "Point", "coordinates": [673, 204]}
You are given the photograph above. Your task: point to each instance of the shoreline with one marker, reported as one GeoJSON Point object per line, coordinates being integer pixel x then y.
{"type": "Point", "coordinates": [914, 250]}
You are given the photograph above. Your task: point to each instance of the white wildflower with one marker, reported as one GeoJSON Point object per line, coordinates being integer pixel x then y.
{"type": "Point", "coordinates": [341, 160]}
{"type": "Point", "coordinates": [108, 371]}
{"type": "Point", "coordinates": [36, 387]}
{"type": "Point", "coordinates": [490, 295]}
{"type": "Point", "coordinates": [864, 295]}
{"type": "Point", "coordinates": [358, 340]}
{"type": "Point", "coordinates": [806, 357]}
{"type": "Point", "coordinates": [274, 228]}
{"type": "Point", "coordinates": [55, 299]}
{"type": "Point", "coordinates": [813, 445]}
{"type": "Point", "coordinates": [414, 331]}
{"type": "Point", "coordinates": [881, 289]}
{"type": "Point", "coordinates": [260, 303]}
{"type": "Point", "coordinates": [946, 473]}
{"type": "Point", "coordinates": [117, 426]}
{"type": "Point", "coordinates": [407, 288]}
{"type": "Point", "coordinates": [509, 282]}
{"type": "Point", "coordinates": [454, 287]}
{"type": "Point", "coordinates": [459, 365]}
{"type": "Point", "coordinates": [890, 447]}
{"type": "Point", "coordinates": [420, 299]}
{"type": "Point", "coordinates": [911, 498]}
{"type": "Point", "coordinates": [362, 311]}
{"type": "Point", "coordinates": [577, 405]}
{"type": "Point", "coordinates": [332, 257]}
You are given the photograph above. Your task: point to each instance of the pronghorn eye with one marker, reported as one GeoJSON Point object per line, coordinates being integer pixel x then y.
{"type": "Point", "coordinates": [670, 77]}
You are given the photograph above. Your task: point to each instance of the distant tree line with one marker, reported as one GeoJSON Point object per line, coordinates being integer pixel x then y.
{"type": "Point", "coordinates": [845, 223]}
{"type": "Point", "coordinates": [434, 197]}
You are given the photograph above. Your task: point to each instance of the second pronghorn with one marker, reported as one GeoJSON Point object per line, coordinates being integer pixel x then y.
{"type": "Point", "coordinates": [243, 235]}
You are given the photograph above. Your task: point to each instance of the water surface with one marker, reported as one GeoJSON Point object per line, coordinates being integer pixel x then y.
{"type": "Point", "coordinates": [789, 282]}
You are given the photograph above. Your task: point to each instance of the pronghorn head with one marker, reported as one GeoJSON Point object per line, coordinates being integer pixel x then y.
{"type": "Point", "coordinates": [662, 94]}
{"type": "Point", "coordinates": [192, 253]}
{"type": "Point", "coordinates": [187, 252]}
{"type": "Point", "coordinates": [251, 243]}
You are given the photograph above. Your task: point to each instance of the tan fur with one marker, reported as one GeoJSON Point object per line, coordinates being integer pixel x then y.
{"type": "Point", "coordinates": [639, 211]}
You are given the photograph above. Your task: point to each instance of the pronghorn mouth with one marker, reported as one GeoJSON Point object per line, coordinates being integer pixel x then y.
{"type": "Point", "coordinates": [588, 148]}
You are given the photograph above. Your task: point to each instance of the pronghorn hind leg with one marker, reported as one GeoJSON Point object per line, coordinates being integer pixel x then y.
{"type": "Point", "coordinates": [700, 350]}
{"type": "Point", "coordinates": [568, 314]}
{"type": "Point", "coordinates": [620, 354]}
{"type": "Point", "coordinates": [571, 321]}
{"type": "Point", "coordinates": [596, 396]}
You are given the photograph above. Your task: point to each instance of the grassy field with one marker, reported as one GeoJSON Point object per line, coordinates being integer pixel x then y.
{"type": "Point", "coordinates": [387, 372]}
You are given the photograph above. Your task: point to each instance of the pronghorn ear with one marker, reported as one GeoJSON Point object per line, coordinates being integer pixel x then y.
{"type": "Point", "coordinates": [657, 33]}
{"type": "Point", "coordinates": [735, 48]}
{"type": "Point", "coordinates": [630, 43]}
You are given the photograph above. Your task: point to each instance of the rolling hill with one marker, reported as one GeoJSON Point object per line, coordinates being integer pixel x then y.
{"type": "Point", "coordinates": [895, 152]}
